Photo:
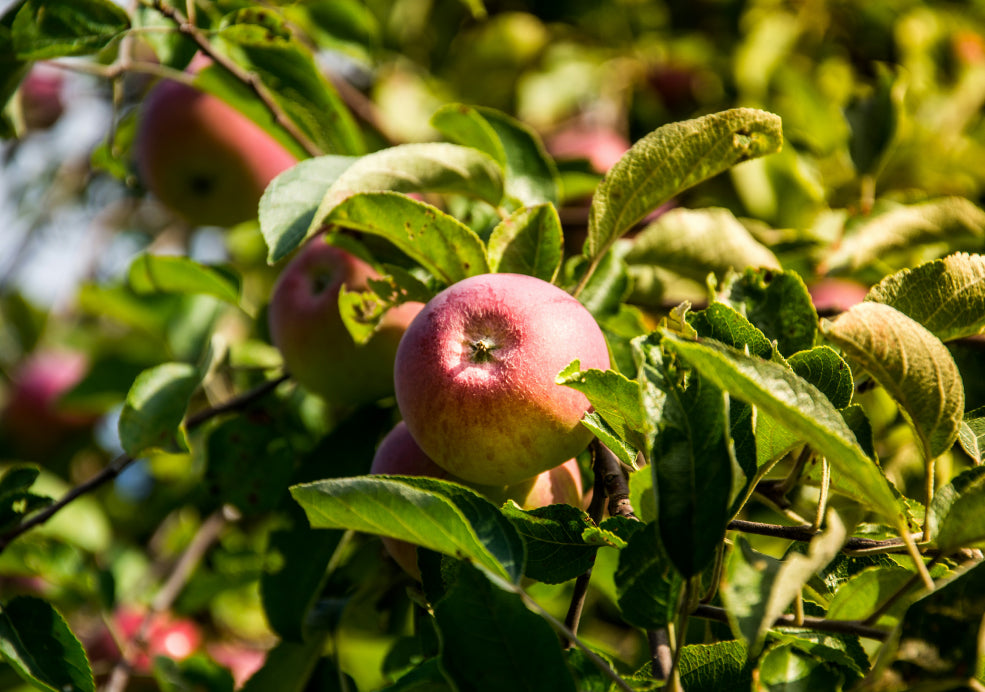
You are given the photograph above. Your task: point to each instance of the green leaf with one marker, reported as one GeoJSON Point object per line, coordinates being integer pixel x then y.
{"type": "Point", "coordinates": [826, 370]}
{"type": "Point", "coordinates": [901, 228]}
{"type": "Point", "coordinates": [786, 667]}
{"type": "Point", "coordinates": [289, 203]}
{"type": "Point", "coordinates": [798, 405]}
{"type": "Point", "coordinates": [957, 514]}
{"type": "Point", "coordinates": [442, 244]}
{"type": "Point", "coordinates": [437, 515]}
{"type": "Point", "coordinates": [726, 324]}
{"type": "Point", "coordinates": [427, 167]}
{"type": "Point", "coordinates": [607, 287]}
{"type": "Point", "coordinates": [972, 434]}
{"type": "Point", "coordinates": [261, 42]}
{"type": "Point", "coordinates": [698, 242]}
{"type": "Point", "coordinates": [491, 641]}
{"type": "Point", "coordinates": [37, 642]}
{"type": "Point", "coordinates": [647, 583]}
{"type": "Point", "coordinates": [155, 407]}
{"type": "Point", "coordinates": [44, 29]}
{"type": "Point", "coordinates": [173, 274]}
{"type": "Point", "coordinates": [941, 633]}
{"type": "Point", "coordinates": [859, 597]}
{"type": "Point", "coordinates": [719, 667]}
{"type": "Point", "coordinates": [288, 666]}
{"type": "Point", "coordinates": [16, 500]}
{"type": "Point", "coordinates": [197, 672]}
{"type": "Point", "coordinates": [910, 363]}
{"type": "Point", "coordinates": [529, 242]}
{"type": "Point", "coordinates": [531, 176]}
{"type": "Point", "coordinates": [946, 296]}
{"type": "Point", "coordinates": [671, 159]}
{"type": "Point", "coordinates": [779, 304]}
{"type": "Point", "coordinates": [873, 118]}
{"type": "Point", "coordinates": [556, 549]}
{"type": "Point", "coordinates": [466, 126]}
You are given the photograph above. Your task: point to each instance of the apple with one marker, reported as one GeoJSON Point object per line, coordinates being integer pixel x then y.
{"type": "Point", "coordinates": [833, 295]}
{"type": "Point", "coordinates": [163, 635]}
{"type": "Point", "coordinates": [306, 327]}
{"type": "Point", "coordinates": [32, 417]}
{"type": "Point", "coordinates": [399, 454]}
{"type": "Point", "coordinates": [201, 157]}
{"type": "Point", "coordinates": [601, 146]}
{"type": "Point", "coordinates": [40, 96]}
{"type": "Point", "coordinates": [475, 377]}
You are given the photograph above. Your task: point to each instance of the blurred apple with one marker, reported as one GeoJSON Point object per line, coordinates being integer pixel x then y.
{"type": "Point", "coordinates": [242, 661]}
{"type": "Point", "coordinates": [32, 418]}
{"type": "Point", "coordinates": [560, 485]}
{"type": "Point", "coordinates": [201, 157]}
{"type": "Point", "coordinates": [165, 635]}
{"type": "Point", "coordinates": [305, 325]}
{"type": "Point", "coordinates": [40, 96]}
{"type": "Point", "coordinates": [600, 146]}
{"type": "Point", "coordinates": [832, 295]}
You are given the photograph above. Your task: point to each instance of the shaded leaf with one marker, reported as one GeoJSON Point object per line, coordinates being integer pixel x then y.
{"type": "Point", "coordinates": [467, 126]}
{"type": "Point", "coordinates": [442, 244]}
{"type": "Point", "coordinates": [826, 370]}
{"type": "Point", "coordinates": [288, 666]}
{"type": "Point", "coordinates": [695, 243]}
{"type": "Point", "coordinates": [972, 434]}
{"type": "Point", "coordinates": [779, 304]}
{"type": "Point", "coordinates": [174, 274]}
{"type": "Point", "coordinates": [719, 667]}
{"type": "Point", "coordinates": [647, 583]}
{"type": "Point", "coordinates": [44, 29]}
{"type": "Point", "coordinates": [726, 324]}
{"type": "Point", "coordinates": [946, 296]}
{"type": "Point", "coordinates": [36, 641]}
{"type": "Point", "coordinates": [873, 118]}
{"type": "Point", "coordinates": [556, 549]}
{"type": "Point", "coordinates": [155, 407]}
{"type": "Point", "coordinates": [437, 515]}
{"type": "Point", "coordinates": [910, 363]}
{"type": "Point", "coordinates": [957, 514]}
{"type": "Point", "coordinates": [529, 242]}
{"type": "Point", "coordinates": [859, 597]}
{"type": "Point", "coordinates": [670, 160]}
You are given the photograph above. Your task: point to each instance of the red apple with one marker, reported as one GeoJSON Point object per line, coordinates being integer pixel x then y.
{"type": "Point", "coordinates": [40, 96]}
{"type": "Point", "coordinates": [475, 377]}
{"type": "Point", "coordinates": [164, 635]}
{"type": "Point", "coordinates": [202, 158]}
{"type": "Point", "coordinates": [399, 454]}
{"type": "Point", "coordinates": [834, 295]}
{"type": "Point", "coordinates": [601, 146]}
{"type": "Point", "coordinates": [306, 327]}
{"type": "Point", "coordinates": [32, 416]}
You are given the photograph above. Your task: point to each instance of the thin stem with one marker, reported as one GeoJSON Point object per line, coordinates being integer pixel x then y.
{"type": "Point", "coordinates": [898, 594]}
{"type": "Point", "coordinates": [709, 612]}
{"type": "Point", "coordinates": [929, 479]}
{"type": "Point", "coordinates": [595, 511]}
{"type": "Point", "coordinates": [911, 548]}
{"type": "Point", "coordinates": [822, 502]}
{"type": "Point", "coordinates": [805, 532]}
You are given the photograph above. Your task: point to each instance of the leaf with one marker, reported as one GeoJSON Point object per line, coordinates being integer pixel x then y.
{"type": "Point", "coordinates": [288, 666]}
{"type": "Point", "coordinates": [437, 515]}
{"type": "Point", "coordinates": [695, 243]}
{"type": "Point", "coordinates": [289, 203]}
{"type": "Point", "coordinates": [44, 29]}
{"type": "Point", "coordinates": [826, 370]}
{"type": "Point", "coordinates": [859, 597]}
{"type": "Point", "coordinates": [950, 219]}
{"type": "Point", "coordinates": [556, 549]}
{"type": "Point", "coordinates": [873, 119]}
{"type": "Point", "coordinates": [956, 517]}
{"type": "Point", "coordinates": [427, 167]}
{"type": "Point", "coordinates": [758, 588]}
{"type": "Point", "coordinates": [910, 363]}
{"type": "Point", "coordinates": [155, 407]}
{"type": "Point", "coordinates": [262, 43]}
{"type": "Point", "coordinates": [442, 244]}
{"type": "Point", "coordinates": [972, 434]}
{"type": "Point", "coordinates": [491, 642]}
{"type": "Point", "coordinates": [196, 672]}
{"type": "Point", "coordinates": [726, 324]}
{"type": "Point", "coordinates": [16, 500]}
{"type": "Point", "coordinates": [719, 667]}
{"type": "Point", "coordinates": [36, 641]}
{"type": "Point", "coordinates": [529, 242]}
{"type": "Point", "coordinates": [466, 126]}
{"type": "Point", "coordinates": [531, 176]}
{"type": "Point", "coordinates": [779, 304]}
{"type": "Point", "coordinates": [647, 583]}
{"type": "Point", "coordinates": [173, 274]}
{"type": "Point", "coordinates": [798, 405]}
{"type": "Point", "coordinates": [671, 159]}
{"type": "Point", "coordinates": [946, 296]}
{"type": "Point", "coordinates": [607, 287]}
{"type": "Point", "coordinates": [786, 667]}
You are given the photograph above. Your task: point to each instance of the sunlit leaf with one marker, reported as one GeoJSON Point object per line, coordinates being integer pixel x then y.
{"type": "Point", "coordinates": [528, 241]}
{"type": "Point", "coordinates": [957, 515]}
{"type": "Point", "coordinates": [556, 550]}
{"type": "Point", "coordinates": [45, 29]}
{"type": "Point", "coordinates": [972, 434]}
{"type": "Point", "coordinates": [779, 304]}
{"type": "Point", "coordinates": [173, 274]}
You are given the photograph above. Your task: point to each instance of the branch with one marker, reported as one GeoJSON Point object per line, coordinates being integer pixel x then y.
{"type": "Point", "coordinates": [248, 78]}
{"type": "Point", "coordinates": [811, 623]}
{"type": "Point", "coordinates": [116, 467]}
{"type": "Point", "coordinates": [805, 532]}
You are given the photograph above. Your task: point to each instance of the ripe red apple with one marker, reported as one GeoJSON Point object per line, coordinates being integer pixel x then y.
{"type": "Point", "coordinates": [165, 635]}
{"type": "Point", "coordinates": [40, 96]}
{"type": "Point", "coordinates": [833, 295]}
{"type": "Point", "coordinates": [32, 417]}
{"type": "Point", "coordinates": [306, 327]}
{"type": "Point", "coordinates": [475, 377]}
{"type": "Point", "coordinates": [399, 454]}
{"type": "Point", "coordinates": [201, 157]}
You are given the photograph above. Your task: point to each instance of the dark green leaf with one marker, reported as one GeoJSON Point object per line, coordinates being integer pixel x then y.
{"type": "Point", "coordinates": [528, 242]}
{"type": "Point", "coordinates": [196, 673]}
{"type": "Point", "coordinates": [670, 160]}
{"type": "Point", "coordinates": [779, 304]}
{"type": "Point", "coordinates": [789, 669]}
{"type": "Point", "coordinates": [726, 324]}
{"type": "Point", "coordinates": [491, 642]}
{"type": "Point", "coordinates": [531, 176]}
{"type": "Point", "coordinates": [719, 667]}
{"type": "Point", "coordinates": [36, 641]}
{"type": "Point", "coordinates": [957, 514]}
{"type": "Point", "coordinates": [873, 118]}
{"type": "Point", "coordinates": [173, 274]}
{"type": "Point", "coordinates": [826, 370]}
{"type": "Point", "coordinates": [438, 515]}
{"type": "Point", "coordinates": [288, 666]}
{"type": "Point", "coordinates": [860, 596]}
{"type": "Point", "coordinates": [155, 407]}
{"type": "Point", "coordinates": [556, 550]}
{"type": "Point", "coordinates": [44, 29]}
{"type": "Point", "coordinates": [442, 244]}
{"type": "Point", "coordinates": [648, 584]}
{"type": "Point", "coordinates": [607, 287]}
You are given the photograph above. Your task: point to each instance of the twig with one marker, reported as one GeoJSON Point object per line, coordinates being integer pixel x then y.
{"type": "Point", "coordinates": [249, 79]}
{"type": "Point", "coordinates": [114, 468]}
{"type": "Point", "coordinates": [709, 612]}
{"type": "Point", "coordinates": [805, 532]}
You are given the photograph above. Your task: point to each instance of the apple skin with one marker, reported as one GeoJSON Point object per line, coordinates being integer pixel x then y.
{"type": "Point", "coordinates": [41, 99]}
{"type": "Point", "coordinates": [399, 454]}
{"type": "Point", "coordinates": [833, 295]}
{"type": "Point", "coordinates": [202, 158]}
{"type": "Point", "coordinates": [165, 635]}
{"type": "Point", "coordinates": [475, 377]}
{"type": "Point", "coordinates": [306, 327]}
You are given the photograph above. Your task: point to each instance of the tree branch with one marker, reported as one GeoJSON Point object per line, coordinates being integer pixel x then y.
{"type": "Point", "coordinates": [811, 623]}
{"type": "Point", "coordinates": [116, 467]}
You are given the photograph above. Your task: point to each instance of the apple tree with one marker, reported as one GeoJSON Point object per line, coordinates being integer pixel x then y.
{"type": "Point", "coordinates": [740, 241]}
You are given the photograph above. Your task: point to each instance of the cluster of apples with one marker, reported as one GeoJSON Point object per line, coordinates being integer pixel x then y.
{"type": "Point", "coordinates": [473, 372]}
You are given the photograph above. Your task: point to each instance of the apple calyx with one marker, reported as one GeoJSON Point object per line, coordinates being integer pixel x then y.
{"type": "Point", "coordinates": [481, 350]}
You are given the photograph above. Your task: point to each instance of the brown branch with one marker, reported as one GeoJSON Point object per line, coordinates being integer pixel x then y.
{"type": "Point", "coordinates": [116, 467]}
{"type": "Point", "coordinates": [708, 612]}
{"type": "Point", "coordinates": [805, 532]}
{"type": "Point", "coordinates": [250, 79]}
